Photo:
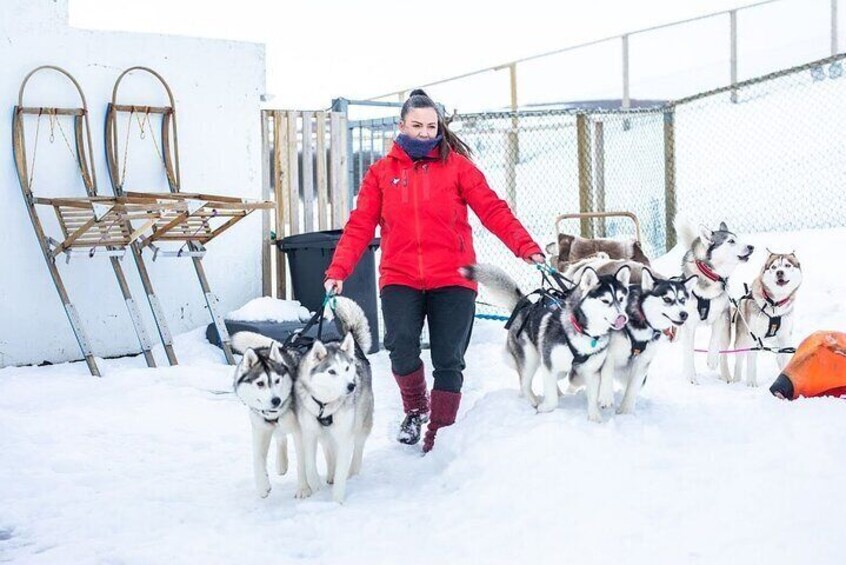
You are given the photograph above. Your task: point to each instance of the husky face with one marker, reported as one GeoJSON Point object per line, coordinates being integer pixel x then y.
{"type": "Point", "coordinates": [664, 301]}
{"type": "Point", "coordinates": [603, 301]}
{"type": "Point", "coordinates": [264, 378]}
{"type": "Point", "coordinates": [781, 274]}
{"type": "Point", "coordinates": [724, 249]}
{"type": "Point", "coordinates": [329, 370]}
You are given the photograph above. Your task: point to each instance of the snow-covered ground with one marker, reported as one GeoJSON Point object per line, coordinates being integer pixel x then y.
{"type": "Point", "coordinates": [153, 465]}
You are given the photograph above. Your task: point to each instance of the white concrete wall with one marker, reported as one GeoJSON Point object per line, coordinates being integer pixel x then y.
{"type": "Point", "coordinates": [217, 86]}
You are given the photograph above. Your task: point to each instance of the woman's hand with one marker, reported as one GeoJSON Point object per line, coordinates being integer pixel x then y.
{"type": "Point", "coordinates": [537, 258]}
{"type": "Point", "coordinates": [333, 286]}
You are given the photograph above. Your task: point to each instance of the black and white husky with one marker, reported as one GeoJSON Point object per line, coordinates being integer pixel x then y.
{"type": "Point", "coordinates": [713, 256]}
{"type": "Point", "coordinates": [264, 381]}
{"type": "Point", "coordinates": [334, 400]}
{"type": "Point", "coordinates": [656, 307]}
{"type": "Point", "coordinates": [566, 338]}
{"type": "Point", "coordinates": [766, 313]}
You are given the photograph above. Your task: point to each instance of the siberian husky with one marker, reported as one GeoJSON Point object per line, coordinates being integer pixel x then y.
{"type": "Point", "coordinates": [557, 335]}
{"type": "Point", "coordinates": [713, 255]}
{"type": "Point", "coordinates": [767, 313]}
{"type": "Point", "coordinates": [264, 381]}
{"type": "Point", "coordinates": [334, 400]}
{"type": "Point", "coordinates": [656, 308]}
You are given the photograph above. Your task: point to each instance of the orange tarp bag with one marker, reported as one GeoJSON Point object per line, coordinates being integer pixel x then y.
{"type": "Point", "coordinates": [818, 368]}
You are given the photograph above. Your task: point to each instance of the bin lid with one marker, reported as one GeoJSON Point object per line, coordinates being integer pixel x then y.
{"type": "Point", "coordinates": [316, 240]}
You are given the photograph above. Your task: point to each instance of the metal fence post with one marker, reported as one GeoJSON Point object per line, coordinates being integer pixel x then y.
{"type": "Point", "coordinates": [733, 53]}
{"type": "Point", "coordinates": [585, 181]}
{"type": "Point", "coordinates": [342, 105]}
{"type": "Point", "coordinates": [670, 174]}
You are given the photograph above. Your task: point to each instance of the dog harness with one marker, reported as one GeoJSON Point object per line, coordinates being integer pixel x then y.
{"type": "Point", "coordinates": [774, 322]}
{"type": "Point", "coordinates": [639, 347]}
{"type": "Point", "coordinates": [703, 305]}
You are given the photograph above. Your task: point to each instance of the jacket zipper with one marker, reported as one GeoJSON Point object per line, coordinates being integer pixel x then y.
{"type": "Point", "coordinates": [417, 226]}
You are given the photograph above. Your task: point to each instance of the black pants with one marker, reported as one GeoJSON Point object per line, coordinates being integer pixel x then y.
{"type": "Point", "coordinates": [449, 312]}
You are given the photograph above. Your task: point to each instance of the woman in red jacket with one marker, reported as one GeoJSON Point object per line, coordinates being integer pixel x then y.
{"type": "Point", "coordinates": [419, 194]}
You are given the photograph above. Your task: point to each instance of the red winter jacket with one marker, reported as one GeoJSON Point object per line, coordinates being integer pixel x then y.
{"type": "Point", "coordinates": [422, 209]}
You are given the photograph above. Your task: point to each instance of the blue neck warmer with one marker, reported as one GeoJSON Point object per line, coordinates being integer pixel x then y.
{"type": "Point", "coordinates": [417, 148]}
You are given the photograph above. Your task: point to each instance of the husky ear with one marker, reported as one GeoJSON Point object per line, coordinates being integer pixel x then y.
{"type": "Point", "coordinates": [279, 356]}
{"type": "Point", "coordinates": [705, 234]}
{"type": "Point", "coordinates": [319, 350]}
{"type": "Point", "coordinates": [723, 226]}
{"type": "Point", "coordinates": [588, 279]}
{"type": "Point", "coordinates": [793, 259]}
{"type": "Point", "coordinates": [647, 281]}
{"type": "Point", "coordinates": [250, 358]}
{"type": "Point", "coordinates": [348, 345]}
{"type": "Point", "coordinates": [624, 275]}
{"type": "Point", "coordinates": [690, 282]}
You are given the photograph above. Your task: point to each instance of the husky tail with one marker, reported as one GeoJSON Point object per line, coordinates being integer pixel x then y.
{"type": "Point", "coordinates": [685, 231]}
{"type": "Point", "coordinates": [352, 319]}
{"type": "Point", "coordinates": [502, 287]}
{"type": "Point", "coordinates": [242, 341]}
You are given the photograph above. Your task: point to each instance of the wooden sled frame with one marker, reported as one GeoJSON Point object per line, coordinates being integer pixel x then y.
{"type": "Point", "coordinates": [585, 218]}
{"type": "Point", "coordinates": [90, 225]}
{"type": "Point", "coordinates": [191, 225]}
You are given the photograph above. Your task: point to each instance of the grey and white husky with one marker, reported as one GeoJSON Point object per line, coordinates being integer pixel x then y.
{"type": "Point", "coordinates": [713, 255]}
{"type": "Point", "coordinates": [568, 338]}
{"type": "Point", "coordinates": [767, 313]}
{"type": "Point", "coordinates": [264, 381]}
{"type": "Point", "coordinates": [334, 400]}
{"type": "Point", "coordinates": [655, 308]}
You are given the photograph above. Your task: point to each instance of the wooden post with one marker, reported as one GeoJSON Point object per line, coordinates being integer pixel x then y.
{"type": "Point", "coordinates": [308, 173]}
{"type": "Point", "coordinates": [585, 181]}
{"type": "Point", "coordinates": [293, 174]}
{"type": "Point", "coordinates": [280, 182]}
{"type": "Point", "coordinates": [322, 186]}
{"type": "Point", "coordinates": [266, 242]}
{"type": "Point", "coordinates": [599, 168]}
{"type": "Point", "coordinates": [670, 175]}
{"type": "Point", "coordinates": [512, 156]}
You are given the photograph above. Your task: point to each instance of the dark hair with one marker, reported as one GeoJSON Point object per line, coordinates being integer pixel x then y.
{"type": "Point", "coordinates": [419, 99]}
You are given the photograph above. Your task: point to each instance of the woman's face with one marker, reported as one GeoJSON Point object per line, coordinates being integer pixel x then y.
{"type": "Point", "coordinates": [420, 123]}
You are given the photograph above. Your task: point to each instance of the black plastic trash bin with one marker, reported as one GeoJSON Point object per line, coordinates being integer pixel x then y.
{"type": "Point", "coordinates": [310, 254]}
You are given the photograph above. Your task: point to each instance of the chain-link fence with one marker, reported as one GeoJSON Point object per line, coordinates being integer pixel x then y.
{"type": "Point", "coordinates": [764, 155]}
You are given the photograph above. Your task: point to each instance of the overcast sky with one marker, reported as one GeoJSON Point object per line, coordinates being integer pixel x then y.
{"type": "Point", "coordinates": [321, 49]}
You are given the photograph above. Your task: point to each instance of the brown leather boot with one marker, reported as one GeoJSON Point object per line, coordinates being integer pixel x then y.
{"type": "Point", "coordinates": [444, 407]}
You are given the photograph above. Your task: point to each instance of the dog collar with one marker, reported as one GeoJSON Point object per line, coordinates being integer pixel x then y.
{"type": "Point", "coordinates": [325, 421]}
{"type": "Point", "coordinates": [772, 302]}
{"type": "Point", "coordinates": [710, 273]}
{"type": "Point", "coordinates": [581, 330]}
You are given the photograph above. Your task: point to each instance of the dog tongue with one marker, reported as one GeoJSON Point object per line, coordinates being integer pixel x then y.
{"type": "Point", "coordinates": [620, 322]}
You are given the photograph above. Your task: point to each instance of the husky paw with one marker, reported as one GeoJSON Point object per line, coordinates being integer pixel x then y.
{"type": "Point", "coordinates": [606, 402]}
{"type": "Point", "coordinates": [752, 384]}
{"type": "Point", "coordinates": [625, 410]}
{"type": "Point", "coordinates": [263, 487]}
{"type": "Point", "coordinates": [694, 380]}
{"type": "Point", "coordinates": [726, 379]}
{"type": "Point", "coordinates": [713, 361]}
{"type": "Point", "coordinates": [595, 417]}
{"type": "Point", "coordinates": [330, 480]}
{"type": "Point", "coordinates": [533, 400]}
{"type": "Point", "coordinates": [547, 406]}
{"type": "Point", "coordinates": [303, 492]}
